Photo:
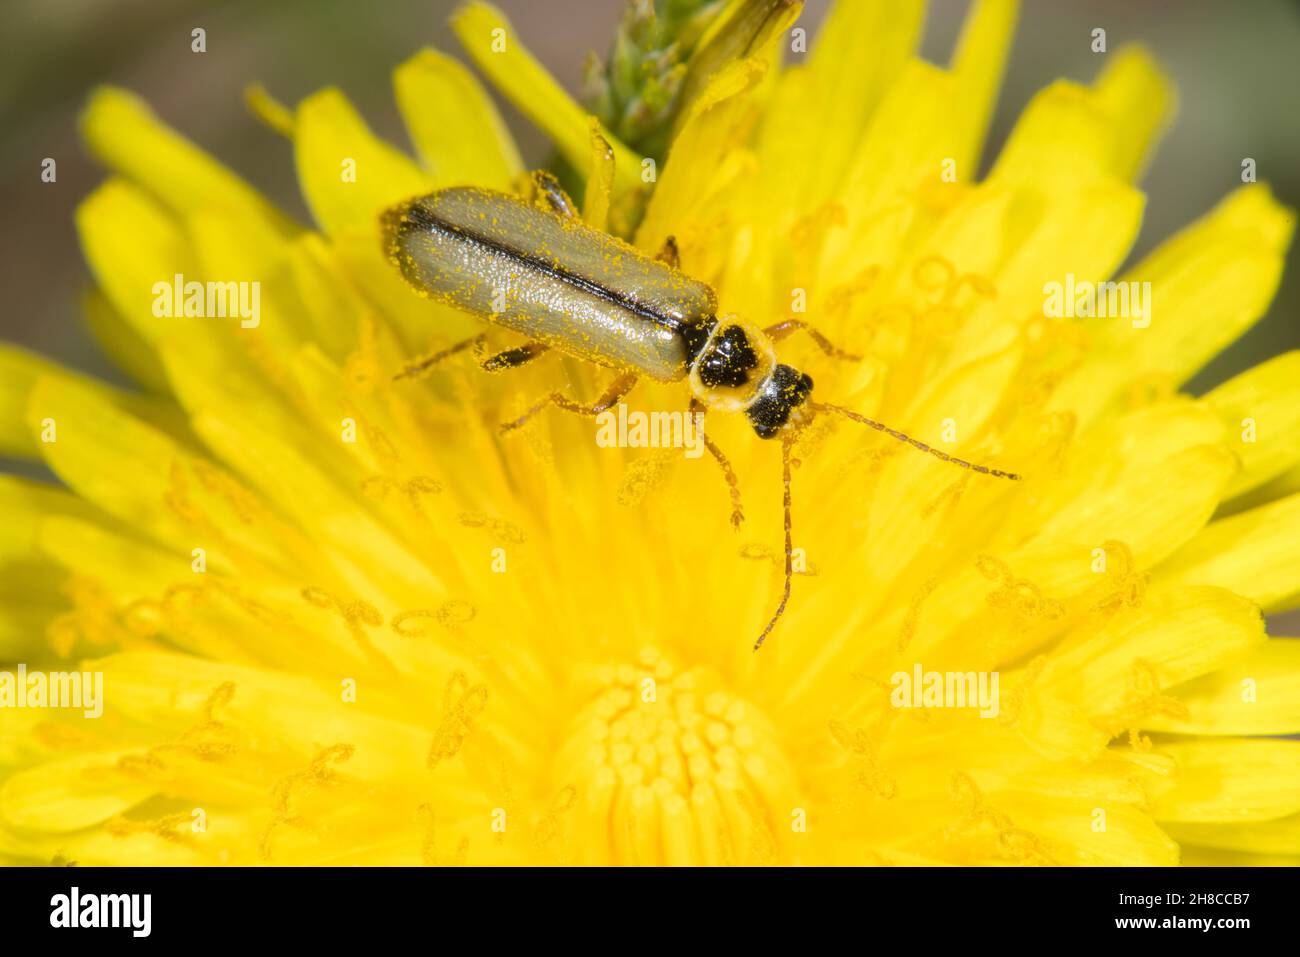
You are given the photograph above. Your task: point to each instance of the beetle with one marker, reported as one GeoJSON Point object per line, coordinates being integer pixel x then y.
{"type": "Point", "coordinates": [531, 265]}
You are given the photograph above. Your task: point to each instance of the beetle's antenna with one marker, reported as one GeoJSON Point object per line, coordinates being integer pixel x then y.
{"type": "Point", "coordinates": [787, 442]}
{"type": "Point", "coordinates": [915, 443]}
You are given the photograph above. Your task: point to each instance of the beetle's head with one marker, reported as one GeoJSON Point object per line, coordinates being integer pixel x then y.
{"type": "Point", "coordinates": [735, 370]}
{"type": "Point", "coordinates": [779, 404]}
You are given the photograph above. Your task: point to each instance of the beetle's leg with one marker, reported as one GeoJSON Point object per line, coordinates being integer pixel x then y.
{"type": "Point", "coordinates": [418, 366]}
{"type": "Point", "coordinates": [549, 194]}
{"type": "Point", "coordinates": [733, 484]}
{"type": "Point", "coordinates": [669, 254]}
{"type": "Point", "coordinates": [617, 389]}
{"type": "Point", "coordinates": [783, 329]}
{"type": "Point", "coordinates": [513, 358]}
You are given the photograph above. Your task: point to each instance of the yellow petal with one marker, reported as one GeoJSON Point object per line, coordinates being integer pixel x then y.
{"type": "Point", "coordinates": [1180, 633]}
{"type": "Point", "coordinates": [23, 503]}
{"type": "Point", "coordinates": [310, 495]}
{"type": "Point", "coordinates": [331, 305]}
{"type": "Point", "coordinates": [269, 110]}
{"type": "Point", "coordinates": [1127, 492]}
{"type": "Point", "coordinates": [123, 132]}
{"type": "Point", "coordinates": [1011, 623]}
{"type": "Point", "coordinates": [96, 847]}
{"type": "Point", "coordinates": [496, 49]}
{"type": "Point", "coordinates": [24, 429]}
{"type": "Point", "coordinates": [704, 160]}
{"type": "Point", "coordinates": [109, 458]}
{"type": "Point", "coordinates": [278, 716]}
{"type": "Point", "coordinates": [1198, 856]}
{"type": "Point", "coordinates": [898, 535]}
{"type": "Point", "coordinates": [979, 63]}
{"type": "Point", "coordinates": [848, 86]}
{"type": "Point", "coordinates": [150, 482]}
{"type": "Point", "coordinates": [1112, 677]}
{"type": "Point", "coordinates": [69, 794]}
{"type": "Point", "coordinates": [31, 585]}
{"type": "Point", "coordinates": [1254, 553]}
{"type": "Point", "coordinates": [1063, 829]}
{"type": "Point", "coordinates": [156, 595]}
{"type": "Point", "coordinates": [18, 744]}
{"type": "Point", "coordinates": [961, 237]}
{"type": "Point", "coordinates": [818, 114]}
{"type": "Point", "coordinates": [600, 181]}
{"type": "Point", "coordinates": [1208, 285]}
{"type": "Point", "coordinates": [1062, 140]}
{"type": "Point", "coordinates": [19, 371]}
{"type": "Point", "coordinates": [132, 568]}
{"type": "Point", "coordinates": [226, 254]}
{"type": "Point", "coordinates": [1081, 231]}
{"type": "Point", "coordinates": [907, 139]}
{"type": "Point", "coordinates": [1141, 508]}
{"type": "Point", "coordinates": [30, 600]}
{"type": "Point", "coordinates": [349, 176]}
{"type": "Point", "coordinates": [224, 350]}
{"type": "Point", "coordinates": [1261, 416]}
{"type": "Point", "coordinates": [1140, 100]}
{"type": "Point", "coordinates": [457, 131]}
{"type": "Point", "coordinates": [1230, 780]}
{"type": "Point", "coordinates": [127, 272]}
{"type": "Point", "coordinates": [966, 398]}
{"type": "Point", "coordinates": [1284, 485]}
{"type": "Point", "coordinates": [169, 691]}
{"type": "Point", "coordinates": [746, 30]}
{"type": "Point", "coordinates": [1257, 694]}
{"type": "Point", "coordinates": [1280, 835]}
{"type": "Point", "coordinates": [123, 344]}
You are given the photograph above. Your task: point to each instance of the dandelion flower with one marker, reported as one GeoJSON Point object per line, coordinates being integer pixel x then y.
{"type": "Point", "coordinates": [341, 620]}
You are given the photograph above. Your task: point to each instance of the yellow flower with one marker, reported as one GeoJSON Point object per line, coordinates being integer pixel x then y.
{"type": "Point", "coordinates": [341, 620]}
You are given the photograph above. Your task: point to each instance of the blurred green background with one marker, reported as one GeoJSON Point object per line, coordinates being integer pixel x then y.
{"type": "Point", "coordinates": [1236, 66]}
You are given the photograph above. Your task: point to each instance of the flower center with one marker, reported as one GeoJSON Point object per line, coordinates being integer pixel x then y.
{"type": "Point", "coordinates": [671, 768]}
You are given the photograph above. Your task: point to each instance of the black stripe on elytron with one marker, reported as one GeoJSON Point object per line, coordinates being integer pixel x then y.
{"type": "Point", "coordinates": [420, 216]}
